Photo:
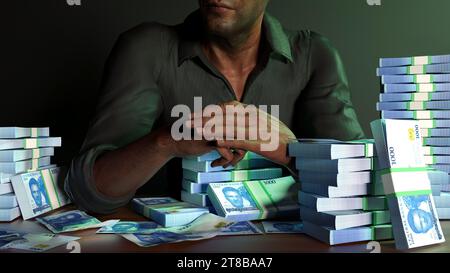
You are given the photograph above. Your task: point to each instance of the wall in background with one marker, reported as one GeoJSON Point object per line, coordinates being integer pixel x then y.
{"type": "Point", "coordinates": [52, 54]}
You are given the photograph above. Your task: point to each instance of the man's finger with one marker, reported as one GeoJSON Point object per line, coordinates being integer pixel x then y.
{"type": "Point", "coordinates": [227, 157]}
{"type": "Point", "coordinates": [238, 156]}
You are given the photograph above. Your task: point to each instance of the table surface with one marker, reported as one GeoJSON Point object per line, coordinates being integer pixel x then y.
{"type": "Point", "coordinates": [265, 243]}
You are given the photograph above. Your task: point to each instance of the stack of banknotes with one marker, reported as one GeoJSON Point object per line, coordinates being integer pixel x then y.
{"type": "Point", "coordinates": [418, 88]}
{"type": "Point", "coordinates": [25, 153]}
{"type": "Point", "coordinates": [340, 199]}
{"type": "Point", "coordinates": [406, 183]}
{"type": "Point", "coordinates": [198, 174]}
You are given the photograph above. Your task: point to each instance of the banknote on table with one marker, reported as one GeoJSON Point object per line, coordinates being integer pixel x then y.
{"type": "Point", "coordinates": [282, 227]}
{"type": "Point", "coordinates": [204, 227]}
{"type": "Point", "coordinates": [414, 217]}
{"type": "Point", "coordinates": [71, 221]}
{"type": "Point", "coordinates": [127, 227]}
{"type": "Point", "coordinates": [164, 237]}
{"type": "Point", "coordinates": [32, 242]}
{"type": "Point", "coordinates": [253, 200]}
{"type": "Point", "coordinates": [240, 228]}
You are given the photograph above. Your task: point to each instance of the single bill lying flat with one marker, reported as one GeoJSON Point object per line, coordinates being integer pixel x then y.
{"type": "Point", "coordinates": [126, 227]}
{"type": "Point", "coordinates": [240, 228]}
{"type": "Point", "coordinates": [71, 221]}
{"type": "Point", "coordinates": [32, 242]}
{"type": "Point", "coordinates": [204, 227]}
{"type": "Point", "coordinates": [283, 227]}
{"type": "Point", "coordinates": [164, 237]}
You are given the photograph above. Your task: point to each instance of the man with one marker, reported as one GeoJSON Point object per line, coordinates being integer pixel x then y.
{"type": "Point", "coordinates": [227, 52]}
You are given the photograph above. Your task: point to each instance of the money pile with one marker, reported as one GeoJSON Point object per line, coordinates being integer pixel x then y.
{"type": "Point", "coordinates": [406, 183]}
{"type": "Point", "coordinates": [341, 200]}
{"type": "Point", "coordinates": [198, 174]}
{"type": "Point", "coordinates": [166, 211]}
{"type": "Point", "coordinates": [22, 152]}
{"type": "Point", "coordinates": [418, 88]}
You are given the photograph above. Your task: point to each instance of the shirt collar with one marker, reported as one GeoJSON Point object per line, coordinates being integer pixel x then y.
{"type": "Point", "coordinates": [190, 35]}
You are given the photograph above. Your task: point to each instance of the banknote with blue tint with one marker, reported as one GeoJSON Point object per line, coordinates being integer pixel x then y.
{"type": "Point", "coordinates": [164, 237]}
{"type": "Point", "coordinates": [127, 227]}
{"type": "Point", "coordinates": [240, 228]}
{"type": "Point", "coordinates": [71, 221]}
{"type": "Point", "coordinates": [283, 227]}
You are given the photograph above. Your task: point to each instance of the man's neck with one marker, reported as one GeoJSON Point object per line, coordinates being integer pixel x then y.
{"type": "Point", "coordinates": [238, 54]}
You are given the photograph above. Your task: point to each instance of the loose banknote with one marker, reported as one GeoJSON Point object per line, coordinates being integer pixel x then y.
{"type": "Point", "coordinates": [240, 228]}
{"type": "Point", "coordinates": [283, 227]}
{"type": "Point", "coordinates": [71, 221]}
{"type": "Point", "coordinates": [204, 227]}
{"type": "Point", "coordinates": [32, 242]}
{"type": "Point", "coordinates": [126, 227]}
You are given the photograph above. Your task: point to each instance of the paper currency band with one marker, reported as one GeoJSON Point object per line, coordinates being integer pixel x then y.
{"type": "Point", "coordinates": [36, 153]}
{"type": "Point", "coordinates": [240, 175]}
{"type": "Point", "coordinates": [402, 170]}
{"type": "Point", "coordinates": [33, 132]}
{"type": "Point", "coordinates": [409, 193]}
{"type": "Point", "coordinates": [420, 96]}
{"type": "Point", "coordinates": [423, 115]}
{"type": "Point", "coordinates": [416, 105]}
{"type": "Point", "coordinates": [424, 78]}
{"type": "Point", "coordinates": [421, 60]}
{"type": "Point", "coordinates": [417, 69]}
{"type": "Point", "coordinates": [262, 209]}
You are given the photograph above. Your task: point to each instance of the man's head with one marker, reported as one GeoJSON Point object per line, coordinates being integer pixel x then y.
{"type": "Point", "coordinates": [233, 196]}
{"type": "Point", "coordinates": [227, 18]}
{"type": "Point", "coordinates": [35, 191]}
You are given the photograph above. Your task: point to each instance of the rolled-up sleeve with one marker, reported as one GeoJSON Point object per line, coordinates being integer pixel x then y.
{"type": "Point", "coordinates": [129, 105]}
{"type": "Point", "coordinates": [324, 108]}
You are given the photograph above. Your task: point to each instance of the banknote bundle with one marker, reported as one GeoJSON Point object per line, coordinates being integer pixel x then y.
{"type": "Point", "coordinates": [256, 199]}
{"type": "Point", "coordinates": [198, 173]}
{"type": "Point", "coordinates": [167, 211]}
{"type": "Point", "coordinates": [405, 180]}
{"type": "Point", "coordinates": [418, 88]}
{"type": "Point", "coordinates": [341, 199]}
{"type": "Point", "coordinates": [22, 152]}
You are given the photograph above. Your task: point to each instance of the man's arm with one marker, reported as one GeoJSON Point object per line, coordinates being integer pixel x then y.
{"type": "Point", "coordinates": [128, 108]}
{"type": "Point", "coordinates": [324, 109]}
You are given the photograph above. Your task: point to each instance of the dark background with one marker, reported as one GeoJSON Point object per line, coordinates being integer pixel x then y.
{"type": "Point", "coordinates": [52, 54]}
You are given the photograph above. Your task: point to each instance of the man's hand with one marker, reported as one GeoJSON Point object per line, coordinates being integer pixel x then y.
{"type": "Point", "coordinates": [184, 148]}
{"type": "Point", "coordinates": [244, 128]}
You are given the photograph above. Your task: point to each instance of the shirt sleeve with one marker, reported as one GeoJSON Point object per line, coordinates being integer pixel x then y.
{"type": "Point", "coordinates": [129, 105]}
{"type": "Point", "coordinates": [324, 108]}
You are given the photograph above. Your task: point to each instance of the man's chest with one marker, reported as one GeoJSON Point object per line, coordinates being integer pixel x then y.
{"type": "Point", "coordinates": [277, 84]}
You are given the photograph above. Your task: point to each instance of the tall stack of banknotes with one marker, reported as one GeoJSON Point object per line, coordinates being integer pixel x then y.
{"type": "Point", "coordinates": [341, 199]}
{"type": "Point", "coordinates": [418, 88]}
{"type": "Point", "coordinates": [405, 179]}
{"type": "Point", "coordinates": [252, 189]}
{"type": "Point", "coordinates": [27, 177]}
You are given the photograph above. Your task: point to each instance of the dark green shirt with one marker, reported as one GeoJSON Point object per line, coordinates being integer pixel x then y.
{"type": "Point", "coordinates": [154, 67]}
